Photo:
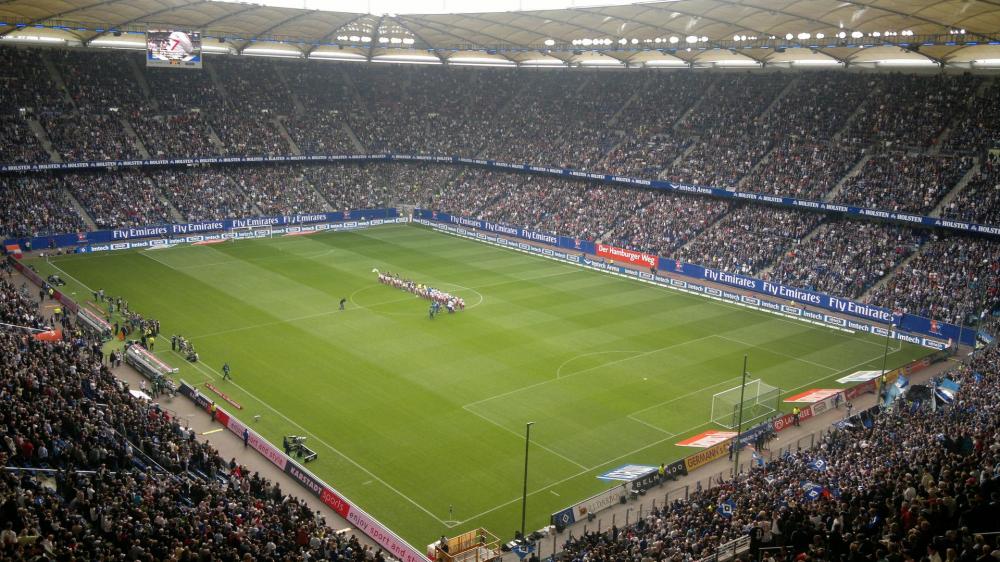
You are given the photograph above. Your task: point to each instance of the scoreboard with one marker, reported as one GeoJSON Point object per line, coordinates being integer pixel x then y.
{"type": "Point", "coordinates": [172, 48]}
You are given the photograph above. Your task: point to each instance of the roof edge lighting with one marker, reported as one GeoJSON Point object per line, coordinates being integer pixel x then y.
{"type": "Point", "coordinates": [480, 60]}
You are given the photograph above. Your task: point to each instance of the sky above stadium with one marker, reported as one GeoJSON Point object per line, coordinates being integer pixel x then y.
{"type": "Point", "coordinates": [380, 7]}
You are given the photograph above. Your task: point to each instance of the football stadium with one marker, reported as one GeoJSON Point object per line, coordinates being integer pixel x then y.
{"type": "Point", "coordinates": [686, 281]}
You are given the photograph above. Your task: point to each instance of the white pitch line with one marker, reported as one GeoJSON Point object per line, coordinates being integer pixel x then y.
{"type": "Point", "coordinates": [820, 365]}
{"type": "Point", "coordinates": [71, 277]}
{"type": "Point", "coordinates": [518, 435]}
{"type": "Point", "coordinates": [287, 256]}
{"type": "Point", "coordinates": [683, 396]}
{"type": "Point", "coordinates": [651, 426]}
{"type": "Point", "coordinates": [644, 447]}
{"type": "Point", "coordinates": [591, 354]}
{"type": "Point", "coordinates": [292, 320]}
{"type": "Point", "coordinates": [587, 370]}
{"type": "Point", "coordinates": [201, 366]}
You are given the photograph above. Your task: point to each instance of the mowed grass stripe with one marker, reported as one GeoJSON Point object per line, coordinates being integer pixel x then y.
{"type": "Point", "coordinates": [386, 386]}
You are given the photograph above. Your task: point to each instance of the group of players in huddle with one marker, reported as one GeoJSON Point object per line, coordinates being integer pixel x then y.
{"type": "Point", "coordinates": [437, 297]}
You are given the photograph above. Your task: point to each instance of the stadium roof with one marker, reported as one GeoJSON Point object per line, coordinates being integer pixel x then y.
{"type": "Point", "coordinates": [699, 32]}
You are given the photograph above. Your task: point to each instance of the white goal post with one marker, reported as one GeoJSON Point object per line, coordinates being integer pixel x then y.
{"type": "Point", "coordinates": [760, 400]}
{"type": "Point", "coordinates": [240, 232]}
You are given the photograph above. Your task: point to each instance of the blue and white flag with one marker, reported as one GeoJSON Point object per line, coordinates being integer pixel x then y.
{"type": "Point", "coordinates": [813, 491]}
{"type": "Point", "coordinates": [523, 550]}
{"type": "Point", "coordinates": [727, 508]}
{"type": "Point", "coordinates": [818, 465]}
{"type": "Point", "coordinates": [946, 391]}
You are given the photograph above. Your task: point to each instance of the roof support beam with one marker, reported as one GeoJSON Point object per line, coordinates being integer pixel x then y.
{"type": "Point", "coordinates": [145, 16]}
{"type": "Point", "coordinates": [264, 33]}
{"type": "Point", "coordinates": [329, 37]}
{"type": "Point", "coordinates": [434, 26]}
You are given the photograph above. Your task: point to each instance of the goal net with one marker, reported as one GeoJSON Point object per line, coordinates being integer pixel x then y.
{"type": "Point", "coordinates": [760, 400]}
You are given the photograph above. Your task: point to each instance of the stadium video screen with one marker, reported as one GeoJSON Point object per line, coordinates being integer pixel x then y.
{"type": "Point", "coordinates": [179, 49]}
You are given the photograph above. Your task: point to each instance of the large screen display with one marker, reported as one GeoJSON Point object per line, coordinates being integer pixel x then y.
{"type": "Point", "coordinates": [179, 49]}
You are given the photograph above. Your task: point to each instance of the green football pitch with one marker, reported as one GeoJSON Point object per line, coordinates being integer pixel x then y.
{"type": "Point", "coordinates": [421, 422]}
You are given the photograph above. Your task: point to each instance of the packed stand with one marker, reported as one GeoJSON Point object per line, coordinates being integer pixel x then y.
{"type": "Point", "coordinates": [117, 199]}
{"type": "Point", "coordinates": [253, 86]}
{"type": "Point", "coordinates": [99, 81]}
{"type": "Point", "coordinates": [560, 119]}
{"type": "Point", "coordinates": [90, 136]}
{"type": "Point", "coordinates": [32, 205]}
{"type": "Point", "coordinates": [979, 201]}
{"type": "Point", "coordinates": [428, 109]}
{"type": "Point", "coordinates": [583, 209]}
{"type": "Point", "coordinates": [128, 481]}
{"type": "Point", "coordinates": [18, 143]}
{"type": "Point", "coordinates": [903, 182]}
{"type": "Point", "coordinates": [204, 193]}
{"type": "Point", "coordinates": [913, 484]}
{"type": "Point", "coordinates": [475, 190]}
{"type": "Point", "coordinates": [665, 222]}
{"type": "Point", "coordinates": [327, 101]}
{"type": "Point", "coordinates": [721, 159]}
{"type": "Point", "coordinates": [186, 135]}
{"type": "Point", "coordinates": [280, 190]}
{"type": "Point", "coordinates": [320, 132]}
{"type": "Point", "coordinates": [909, 110]}
{"type": "Point", "coordinates": [182, 91]}
{"type": "Point", "coordinates": [953, 278]}
{"type": "Point", "coordinates": [817, 105]}
{"type": "Point", "coordinates": [25, 83]}
{"type": "Point", "coordinates": [846, 258]}
{"type": "Point", "coordinates": [749, 239]}
{"type": "Point", "coordinates": [802, 170]}
{"type": "Point", "coordinates": [979, 127]}
{"type": "Point", "coordinates": [248, 135]}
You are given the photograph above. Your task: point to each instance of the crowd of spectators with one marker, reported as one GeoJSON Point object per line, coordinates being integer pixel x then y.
{"type": "Point", "coordinates": [25, 83]}
{"type": "Point", "coordinates": [904, 182]}
{"type": "Point", "coordinates": [90, 136]}
{"type": "Point", "coordinates": [909, 110]}
{"type": "Point", "coordinates": [31, 205]}
{"type": "Point", "coordinates": [748, 239]}
{"type": "Point", "coordinates": [280, 190]}
{"type": "Point", "coordinates": [845, 258]}
{"type": "Point", "coordinates": [244, 134]}
{"type": "Point", "coordinates": [178, 92]}
{"type": "Point", "coordinates": [18, 143]}
{"type": "Point", "coordinates": [953, 278]}
{"type": "Point", "coordinates": [771, 132]}
{"type": "Point", "coordinates": [665, 222]}
{"type": "Point", "coordinates": [99, 81]}
{"type": "Point", "coordinates": [167, 135]}
{"type": "Point", "coordinates": [979, 127]}
{"type": "Point", "coordinates": [107, 476]}
{"type": "Point", "coordinates": [204, 193]}
{"type": "Point", "coordinates": [117, 199]}
{"type": "Point", "coordinates": [911, 484]}
{"type": "Point", "coordinates": [802, 170]}
{"type": "Point", "coordinates": [979, 201]}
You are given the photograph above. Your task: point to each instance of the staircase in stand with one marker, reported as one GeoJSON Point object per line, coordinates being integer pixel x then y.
{"type": "Point", "coordinates": [43, 139]}
{"type": "Point", "coordinates": [91, 225]}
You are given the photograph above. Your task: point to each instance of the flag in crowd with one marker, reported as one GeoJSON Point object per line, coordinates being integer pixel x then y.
{"type": "Point", "coordinates": [818, 465]}
{"type": "Point", "coordinates": [727, 508]}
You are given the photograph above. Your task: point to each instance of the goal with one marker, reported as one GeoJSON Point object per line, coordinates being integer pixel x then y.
{"type": "Point", "coordinates": [760, 400]}
{"type": "Point", "coordinates": [252, 232]}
